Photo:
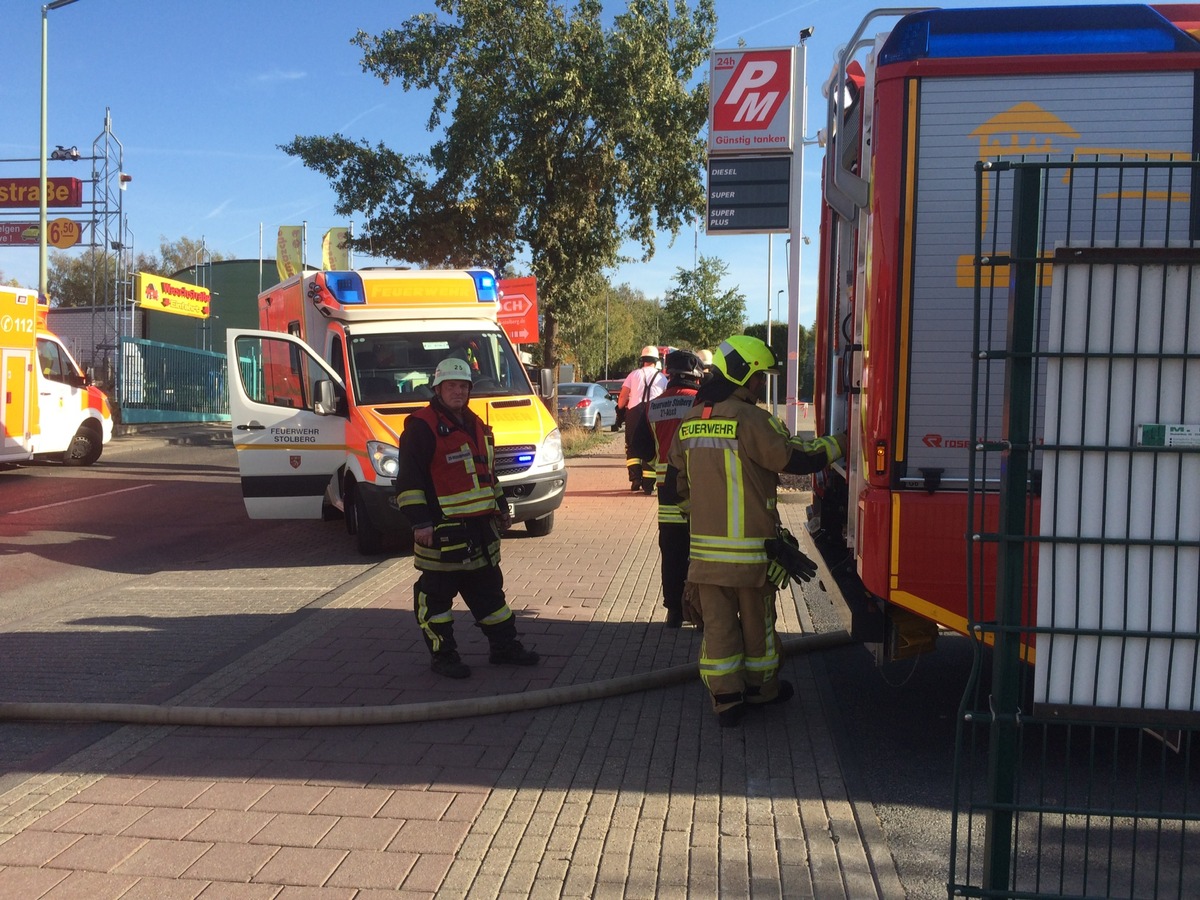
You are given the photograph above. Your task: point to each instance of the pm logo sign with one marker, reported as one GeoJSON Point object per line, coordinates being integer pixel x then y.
{"type": "Point", "coordinates": [750, 100]}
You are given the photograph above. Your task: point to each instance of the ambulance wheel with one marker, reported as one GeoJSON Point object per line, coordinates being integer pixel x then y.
{"type": "Point", "coordinates": [84, 449]}
{"type": "Point", "coordinates": [540, 527]}
{"type": "Point", "coordinates": [370, 539]}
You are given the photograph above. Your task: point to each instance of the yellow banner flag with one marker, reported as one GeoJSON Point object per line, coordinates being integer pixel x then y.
{"type": "Point", "coordinates": [289, 252]}
{"type": "Point", "coordinates": [335, 252]}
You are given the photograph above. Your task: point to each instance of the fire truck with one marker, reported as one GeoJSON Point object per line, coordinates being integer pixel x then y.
{"type": "Point", "coordinates": [318, 396]}
{"type": "Point", "coordinates": [915, 100]}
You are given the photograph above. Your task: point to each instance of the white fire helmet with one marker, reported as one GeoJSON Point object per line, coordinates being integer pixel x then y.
{"type": "Point", "coordinates": [649, 352]}
{"type": "Point", "coordinates": [452, 369]}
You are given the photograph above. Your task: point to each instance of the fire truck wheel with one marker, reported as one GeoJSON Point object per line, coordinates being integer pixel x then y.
{"type": "Point", "coordinates": [540, 527]}
{"type": "Point", "coordinates": [84, 449]}
{"type": "Point", "coordinates": [370, 539]}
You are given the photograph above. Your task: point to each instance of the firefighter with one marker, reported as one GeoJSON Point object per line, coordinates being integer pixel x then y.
{"type": "Point", "coordinates": [656, 431]}
{"type": "Point", "coordinates": [706, 361]}
{"type": "Point", "coordinates": [446, 487]}
{"type": "Point", "coordinates": [641, 385]}
{"type": "Point", "coordinates": [723, 472]}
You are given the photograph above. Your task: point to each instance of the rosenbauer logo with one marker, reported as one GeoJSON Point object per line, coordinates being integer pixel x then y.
{"type": "Point", "coordinates": [754, 93]}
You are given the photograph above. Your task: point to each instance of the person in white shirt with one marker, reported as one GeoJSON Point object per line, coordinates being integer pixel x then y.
{"type": "Point", "coordinates": [641, 385]}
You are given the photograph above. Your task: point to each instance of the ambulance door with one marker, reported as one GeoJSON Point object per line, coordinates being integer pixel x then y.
{"type": "Point", "coordinates": [16, 368]}
{"type": "Point", "coordinates": [289, 446]}
{"type": "Point", "coordinates": [60, 400]}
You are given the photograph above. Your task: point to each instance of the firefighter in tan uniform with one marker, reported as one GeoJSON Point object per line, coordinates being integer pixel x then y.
{"type": "Point", "coordinates": [446, 487]}
{"type": "Point", "coordinates": [723, 466]}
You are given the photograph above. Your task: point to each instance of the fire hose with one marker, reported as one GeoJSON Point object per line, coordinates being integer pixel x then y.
{"type": "Point", "coordinates": [284, 717]}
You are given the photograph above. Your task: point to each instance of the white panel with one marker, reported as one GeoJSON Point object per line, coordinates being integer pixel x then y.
{"type": "Point", "coordinates": [1106, 491]}
{"type": "Point", "coordinates": [1035, 117]}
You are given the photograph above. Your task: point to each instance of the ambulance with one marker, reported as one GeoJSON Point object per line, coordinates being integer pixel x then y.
{"type": "Point", "coordinates": [319, 394]}
{"type": "Point", "coordinates": [51, 408]}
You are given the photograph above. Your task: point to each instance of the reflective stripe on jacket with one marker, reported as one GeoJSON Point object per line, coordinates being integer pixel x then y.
{"type": "Point", "coordinates": [462, 465]}
{"type": "Point", "coordinates": [728, 455]}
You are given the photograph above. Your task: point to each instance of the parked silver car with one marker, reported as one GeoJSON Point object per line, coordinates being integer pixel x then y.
{"type": "Point", "coordinates": [587, 404]}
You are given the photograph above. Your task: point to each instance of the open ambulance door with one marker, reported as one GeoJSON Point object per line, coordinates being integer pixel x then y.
{"type": "Point", "coordinates": [288, 419]}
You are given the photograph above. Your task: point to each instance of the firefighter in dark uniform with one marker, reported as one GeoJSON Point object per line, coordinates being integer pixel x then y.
{"type": "Point", "coordinates": [652, 440]}
{"type": "Point", "coordinates": [446, 487]}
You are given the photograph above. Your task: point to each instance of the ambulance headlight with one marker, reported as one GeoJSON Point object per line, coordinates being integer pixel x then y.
{"type": "Point", "coordinates": [551, 451]}
{"type": "Point", "coordinates": [384, 457]}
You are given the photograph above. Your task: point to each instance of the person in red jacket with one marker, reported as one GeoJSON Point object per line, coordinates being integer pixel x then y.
{"type": "Point", "coordinates": [652, 440]}
{"type": "Point", "coordinates": [446, 487]}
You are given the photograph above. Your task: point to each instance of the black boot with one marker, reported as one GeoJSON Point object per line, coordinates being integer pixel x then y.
{"type": "Point", "coordinates": [449, 664]}
{"type": "Point", "coordinates": [674, 618]}
{"type": "Point", "coordinates": [730, 716]}
{"type": "Point", "coordinates": [786, 693]}
{"type": "Point", "coordinates": [512, 653]}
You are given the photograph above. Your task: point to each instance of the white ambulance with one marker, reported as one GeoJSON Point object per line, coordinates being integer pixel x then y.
{"type": "Point", "coordinates": [319, 396]}
{"type": "Point", "coordinates": [51, 409]}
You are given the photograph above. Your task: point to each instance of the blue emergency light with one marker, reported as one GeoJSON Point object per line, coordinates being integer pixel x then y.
{"type": "Point", "coordinates": [346, 287]}
{"type": "Point", "coordinates": [1030, 31]}
{"type": "Point", "coordinates": [485, 286]}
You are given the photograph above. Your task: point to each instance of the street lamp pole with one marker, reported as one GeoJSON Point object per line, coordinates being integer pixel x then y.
{"type": "Point", "coordinates": [55, 4]}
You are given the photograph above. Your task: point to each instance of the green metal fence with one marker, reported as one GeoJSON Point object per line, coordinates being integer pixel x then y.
{"type": "Point", "coordinates": [165, 383]}
{"type": "Point", "coordinates": [1077, 757]}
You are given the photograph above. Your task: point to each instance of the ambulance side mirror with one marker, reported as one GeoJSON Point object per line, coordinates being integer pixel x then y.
{"type": "Point", "coordinates": [327, 400]}
{"type": "Point", "coordinates": [546, 382]}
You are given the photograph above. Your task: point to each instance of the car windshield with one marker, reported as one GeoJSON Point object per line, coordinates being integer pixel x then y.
{"type": "Point", "coordinates": [398, 368]}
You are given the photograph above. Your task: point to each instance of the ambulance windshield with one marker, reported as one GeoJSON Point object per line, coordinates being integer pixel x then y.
{"type": "Point", "coordinates": [398, 368]}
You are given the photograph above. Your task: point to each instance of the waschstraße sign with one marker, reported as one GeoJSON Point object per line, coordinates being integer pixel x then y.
{"type": "Point", "coordinates": [170, 296]}
{"type": "Point", "coordinates": [26, 193]}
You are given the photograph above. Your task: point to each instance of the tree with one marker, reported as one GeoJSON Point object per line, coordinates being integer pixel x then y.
{"type": "Point", "coordinates": [564, 140]}
{"type": "Point", "coordinates": [78, 279]}
{"type": "Point", "coordinates": [700, 313]}
{"type": "Point", "coordinates": [185, 253]}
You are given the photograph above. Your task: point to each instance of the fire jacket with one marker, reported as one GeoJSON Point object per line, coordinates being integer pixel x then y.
{"type": "Point", "coordinates": [723, 472]}
{"type": "Point", "coordinates": [447, 476]}
{"type": "Point", "coordinates": [655, 434]}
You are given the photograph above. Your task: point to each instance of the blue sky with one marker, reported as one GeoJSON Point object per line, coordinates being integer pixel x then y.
{"type": "Point", "coordinates": [201, 94]}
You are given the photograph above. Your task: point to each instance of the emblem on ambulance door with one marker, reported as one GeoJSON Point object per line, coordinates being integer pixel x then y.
{"type": "Point", "coordinates": [294, 462]}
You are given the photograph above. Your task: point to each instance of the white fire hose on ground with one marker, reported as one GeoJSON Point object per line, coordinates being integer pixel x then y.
{"type": "Point", "coordinates": [285, 717]}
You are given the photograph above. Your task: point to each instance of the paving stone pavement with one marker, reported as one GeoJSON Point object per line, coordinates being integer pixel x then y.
{"type": "Point", "coordinates": [636, 795]}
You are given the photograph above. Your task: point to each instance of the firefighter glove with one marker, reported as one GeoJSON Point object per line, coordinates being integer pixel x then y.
{"type": "Point", "coordinates": [784, 549]}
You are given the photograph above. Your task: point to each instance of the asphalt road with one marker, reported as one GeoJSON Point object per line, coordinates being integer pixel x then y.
{"type": "Point", "coordinates": [94, 561]}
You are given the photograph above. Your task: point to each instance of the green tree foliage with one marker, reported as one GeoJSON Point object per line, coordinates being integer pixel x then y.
{"type": "Point", "coordinates": [78, 279]}
{"type": "Point", "coordinates": [702, 314]}
{"type": "Point", "coordinates": [558, 140]}
{"type": "Point", "coordinates": [185, 253]}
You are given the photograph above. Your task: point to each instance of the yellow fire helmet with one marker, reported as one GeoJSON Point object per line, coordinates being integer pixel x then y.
{"type": "Point", "coordinates": [741, 356]}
